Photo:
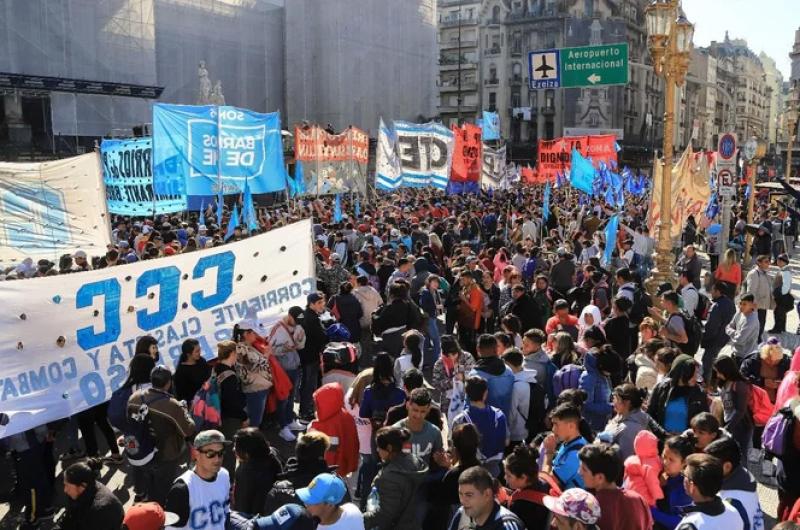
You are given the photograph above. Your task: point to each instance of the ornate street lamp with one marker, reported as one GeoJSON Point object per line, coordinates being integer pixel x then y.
{"type": "Point", "coordinates": [670, 43]}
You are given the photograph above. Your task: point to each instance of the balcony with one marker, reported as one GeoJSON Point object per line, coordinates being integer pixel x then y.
{"type": "Point", "coordinates": [515, 80]}
{"type": "Point", "coordinates": [516, 51]}
{"type": "Point", "coordinates": [524, 16]}
{"type": "Point", "coordinates": [466, 64]}
{"type": "Point", "coordinates": [447, 3]}
{"type": "Point", "coordinates": [452, 109]}
{"type": "Point", "coordinates": [491, 82]}
{"type": "Point", "coordinates": [453, 44]}
{"type": "Point", "coordinates": [452, 22]}
{"type": "Point", "coordinates": [453, 87]}
{"type": "Point", "coordinates": [494, 51]}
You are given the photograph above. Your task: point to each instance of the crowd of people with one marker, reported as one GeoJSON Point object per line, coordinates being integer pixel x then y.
{"type": "Point", "coordinates": [466, 362]}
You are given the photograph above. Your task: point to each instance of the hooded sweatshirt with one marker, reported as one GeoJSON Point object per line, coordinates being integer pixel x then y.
{"type": "Point", "coordinates": [643, 468]}
{"type": "Point", "coordinates": [500, 380]}
{"type": "Point", "coordinates": [739, 489]}
{"type": "Point", "coordinates": [520, 396]}
{"type": "Point", "coordinates": [396, 489]}
{"type": "Point", "coordinates": [333, 420]}
{"type": "Point", "coordinates": [597, 408]}
{"type": "Point", "coordinates": [545, 369]}
{"type": "Point", "coordinates": [623, 430]}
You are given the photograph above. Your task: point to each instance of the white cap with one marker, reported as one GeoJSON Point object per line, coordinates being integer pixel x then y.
{"type": "Point", "coordinates": [79, 254]}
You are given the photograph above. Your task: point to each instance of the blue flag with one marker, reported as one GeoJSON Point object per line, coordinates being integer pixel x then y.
{"type": "Point", "coordinates": [582, 173]}
{"type": "Point", "coordinates": [220, 205]}
{"type": "Point", "coordinates": [337, 209]}
{"type": "Point", "coordinates": [202, 219]}
{"type": "Point", "coordinates": [233, 222]}
{"type": "Point", "coordinates": [490, 126]}
{"type": "Point", "coordinates": [299, 179]}
{"type": "Point", "coordinates": [713, 206]}
{"type": "Point", "coordinates": [611, 237]}
{"type": "Point", "coordinates": [546, 202]}
{"type": "Point", "coordinates": [358, 208]}
{"type": "Point", "coordinates": [248, 209]}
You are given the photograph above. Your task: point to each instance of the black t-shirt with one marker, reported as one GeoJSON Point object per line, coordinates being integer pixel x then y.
{"type": "Point", "coordinates": [399, 412]}
{"type": "Point", "coordinates": [189, 378]}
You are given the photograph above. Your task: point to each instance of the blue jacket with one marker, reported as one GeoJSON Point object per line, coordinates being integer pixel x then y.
{"type": "Point", "coordinates": [668, 511]}
{"type": "Point", "coordinates": [597, 409]}
{"type": "Point", "coordinates": [500, 380]}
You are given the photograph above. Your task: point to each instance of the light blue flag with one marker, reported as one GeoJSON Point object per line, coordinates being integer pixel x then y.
{"type": "Point", "coordinates": [249, 211]}
{"type": "Point", "coordinates": [358, 208]}
{"type": "Point", "coordinates": [337, 209]}
{"type": "Point", "coordinates": [220, 205]}
{"type": "Point", "coordinates": [582, 173]}
{"type": "Point", "coordinates": [202, 219]}
{"type": "Point", "coordinates": [233, 222]}
{"type": "Point", "coordinates": [490, 126]}
{"type": "Point", "coordinates": [299, 179]}
{"type": "Point", "coordinates": [546, 205]}
{"type": "Point", "coordinates": [611, 237]}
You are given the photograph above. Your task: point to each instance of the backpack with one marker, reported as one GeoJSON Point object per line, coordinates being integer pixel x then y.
{"type": "Point", "coordinates": [206, 405]}
{"type": "Point", "coordinates": [118, 407]}
{"type": "Point", "coordinates": [760, 405]}
{"type": "Point", "coordinates": [138, 436]}
{"type": "Point", "coordinates": [537, 410]}
{"type": "Point", "coordinates": [776, 432]}
{"type": "Point", "coordinates": [703, 306]}
{"type": "Point", "coordinates": [641, 304]}
{"type": "Point", "coordinates": [566, 377]}
{"type": "Point", "coordinates": [694, 332]}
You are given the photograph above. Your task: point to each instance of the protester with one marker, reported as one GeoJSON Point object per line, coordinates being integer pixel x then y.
{"type": "Point", "coordinates": [719, 316]}
{"type": "Point", "coordinates": [703, 477]}
{"type": "Point", "coordinates": [566, 436]}
{"type": "Point", "coordinates": [743, 329]}
{"type": "Point", "coordinates": [758, 282]}
{"type": "Point", "coordinates": [735, 395]}
{"type": "Point", "coordinates": [286, 338]}
{"type": "Point", "coordinates": [528, 401]}
{"type": "Point", "coordinates": [192, 371]}
{"type": "Point", "coordinates": [667, 511]}
{"type": "Point", "coordinates": [333, 420]}
{"type": "Point", "coordinates": [574, 509]}
{"type": "Point", "coordinates": [476, 491]}
{"type": "Point", "coordinates": [324, 499]}
{"type": "Point", "coordinates": [310, 352]}
{"type": "Point", "coordinates": [527, 491]}
{"type": "Point", "coordinates": [90, 504]}
{"type": "Point", "coordinates": [738, 484]}
{"type": "Point", "coordinates": [490, 422]}
{"type": "Point", "coordinates": [497, 375]}
{"type": "Point", "coordinates": [449, 371]}
{"type": "Point", "coordinates": [677, 398]}
{"type": "Point", "coordinates": [643, 468]}
{"type": "Point", "coordinates": [628, 420]}
{"type": "Point", "coordinates": [253, 369]}
{"type": "Point", "coordinates": [258, 469]}
{"type": "Point", "coordinates": [233, 403]}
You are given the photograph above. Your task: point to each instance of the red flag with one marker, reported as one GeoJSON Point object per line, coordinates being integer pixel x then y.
{"type": "Point", "coordinates": [467, 154]}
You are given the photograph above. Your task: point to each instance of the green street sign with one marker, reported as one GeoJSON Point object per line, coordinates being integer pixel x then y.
{"type": "Point", "coordinates": [585, 66]}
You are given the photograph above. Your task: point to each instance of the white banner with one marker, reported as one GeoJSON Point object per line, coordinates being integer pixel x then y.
{"type": "Point", "coordinates": [52, 208]}
{"type": "Point", "coordinates": [66, 341]}
{"type": "Point", "coordinates": [493, 169]}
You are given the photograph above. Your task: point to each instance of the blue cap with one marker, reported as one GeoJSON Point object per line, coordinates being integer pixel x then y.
{"type": "Point", "coordinates": [326, 488]}
{"type": "Point", "coordinates": [287, 517]}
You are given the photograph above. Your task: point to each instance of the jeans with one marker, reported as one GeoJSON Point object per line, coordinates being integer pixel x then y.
{"type": "Point", "coordinates": [366, 474]}
{"type": "Point", "coordinates": [762, 321]}
{"type": "Point", "coordinates": [256, 402]}
{"type": "Point", "coordinates": [308, 384]}
{"type": "Point", "coordinates": [434, 344]}
{"type": "Point", "coordinates": [286, 407]}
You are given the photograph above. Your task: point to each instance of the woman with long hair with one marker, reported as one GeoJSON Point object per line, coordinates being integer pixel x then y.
{"type": "Point", "coordinates": [735, 395]}
{"type": "Point", "coordinates": [729, 271]}
{"type": "Point", "coordinates": [677, 398]}
{"type": "Point", "coordinates": [233, 403]}
{"type": "Point", "coordinates": [628, 420]}
{"type": "Point", "coordinates": [192, 371]}
{"type": "Point", "coordinates": [465, 441]}
{"type": "Point", "coordinates": [522, 478]}
{"type": "Point", "coordinates": [391, 504]}
{"type": "Point", "coordinates": [449, 371]}
{"type": "Point", "coordinates": [564, 350]}
{"type": "Point", "coordinates": [258, 468]}
{"type": "Point", "coordinates": [90, 504]}
{"type": "Point", "coordinates": [352, 404]}
{"type": "Point", "coordinates": [411, 355]}
{"type": "Point", "coordinates": [347, 309]}
{"type": "Point", "coordinates": [253, 368]}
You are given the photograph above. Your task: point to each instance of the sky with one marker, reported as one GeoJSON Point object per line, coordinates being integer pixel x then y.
{"type": "Point", "coordinates": [767, 25]}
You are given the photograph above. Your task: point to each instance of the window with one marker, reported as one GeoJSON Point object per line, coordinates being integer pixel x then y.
{"type": "Point", "coordinates": [496, 14]}
{"type": "Point", "coordinates": [549, 99]}
{"type": "Point", "coordinates": [515, 99]}
{"type": "Point", "coordinates": [492, 101]}
{"type": "Point", "coordinates": [516, 70]}
{"type": "Point", "coordinates": [492, 73]}
{"type": "Point", "coordinates": [534, 99]}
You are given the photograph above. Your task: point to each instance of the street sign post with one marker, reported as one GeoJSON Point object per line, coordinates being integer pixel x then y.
{"type": "Point", "coordinates": [585, 66]}
{"type": "Point", "coordinates": [726, 179]}
{"type": "Point", "coordinates": [727, 148]}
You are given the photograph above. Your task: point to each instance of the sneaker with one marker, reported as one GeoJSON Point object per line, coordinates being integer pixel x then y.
{"type": "Point", "coordinates": [287, 435]}
{"type": "Point", "coordinates": [114, 459]}
{"type": "Point", "coordinates": [297, 426]}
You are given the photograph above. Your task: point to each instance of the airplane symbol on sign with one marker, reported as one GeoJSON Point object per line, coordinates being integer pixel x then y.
{"type": "Point", "coordinates": [544, 68]}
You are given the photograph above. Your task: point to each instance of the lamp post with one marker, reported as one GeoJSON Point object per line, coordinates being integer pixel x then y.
{"type": "Point", "coordinates": [670, 43]}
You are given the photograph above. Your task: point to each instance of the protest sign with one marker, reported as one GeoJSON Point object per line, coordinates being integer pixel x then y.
{"type": "Point", "coordinates": [334, 163]}
{"type": "Point", "coordinates": [67, 340]}
{"type": "Point", "coordinates": [128, 176]}
{"type": "Point", "coordinates": [493, 168]}
{"type": "Point", "coordinates": [425, 152]}
{"type": "Point", "coordinates": [555, 155]}
{"type": "Point", "coordinates": [51, 208]}
{"type": "Point", "coordinates": [197, 149]}
{"type": "Point", "coordinates": [467, 154]}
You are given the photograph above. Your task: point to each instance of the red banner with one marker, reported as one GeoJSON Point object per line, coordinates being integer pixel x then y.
{"type": "Point", "coordinates": [314, 144]}
{"type": "Point", "coordinates": [467, 154]}
{"type": "Point", "coordinates": [555, 155]}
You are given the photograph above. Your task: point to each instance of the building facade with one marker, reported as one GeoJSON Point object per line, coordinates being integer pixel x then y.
{"type": "Point", "coordinates": [774, 81]}
{"type": "Point", "coordinates": [487, 42]}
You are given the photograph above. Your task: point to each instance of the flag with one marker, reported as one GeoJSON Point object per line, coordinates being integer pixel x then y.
{"type": "Point", "coordinates": [202, 219]}
{"type": "Point", "coordinates": [546, 202]}
{"type": "Point", "coordinates": [233, 222]}
{"type": "Point", "coordinates": [611, 237]}
{"type": "Point", "coordinates": [388, 173]}
{"type": "Point", "coordinates": [220, 205]}
{"type": "Point", "coordinates": [358, 208]}
{"type": "Point", "coordinates": [490, 126]}
{"type": "Point", "coordinates": [582, 172]}
{"type": "Point", "coordinates": [337, 209]}
{"type": "Point", "coordinates": [299, 179]}
{"type": "Point", "coordinates": [713, 206]}
{"type": "Point", "coordinates": [248, 209]}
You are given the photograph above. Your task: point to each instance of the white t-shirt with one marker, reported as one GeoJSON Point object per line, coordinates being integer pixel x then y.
{"type": "Point", "coordinates": [351, 519]}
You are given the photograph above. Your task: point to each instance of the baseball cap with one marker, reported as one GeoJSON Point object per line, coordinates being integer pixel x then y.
{"type": "Point", "coordinates": [295, 311]}
{"type": "Point", "coordinates": [202, 228]}
{"type": "Point", "coordinates": [335, 257]}
{"type": "Point", "coordinates": [148, 516]}
{"type": "Point", "coordinates": [313, 298]}
{"type": "Point", "coordinates": [325, 488]}
{"type": "Point", "coordinates": [287, 517]}
{"type": "Point", "coordinates": [209, 437]}
{"type": "Point", "coordinates": [575, 503]}
{"type": "Point", "coordinates": [79, 254]}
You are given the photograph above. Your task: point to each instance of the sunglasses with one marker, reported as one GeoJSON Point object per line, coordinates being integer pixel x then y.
{"type": "Point", "coordinates": [213, 454]}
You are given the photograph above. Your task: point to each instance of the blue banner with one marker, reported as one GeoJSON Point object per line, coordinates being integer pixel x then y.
{"type": "Point", "coordinates": [197, 149]}
{"type": "Point", "coordinates": [491, 125]}
{"type": "Point", "coordinates": [128, 176]}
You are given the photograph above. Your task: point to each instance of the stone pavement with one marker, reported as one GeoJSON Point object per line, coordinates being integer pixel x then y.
{"type": "Point", "coordinates": [117, 480]}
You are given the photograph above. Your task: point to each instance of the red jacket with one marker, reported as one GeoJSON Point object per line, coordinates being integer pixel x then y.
{"type": "Point", "coordinates": [281, 384]}
{"type": "Point", "coordinates": [333, 420]}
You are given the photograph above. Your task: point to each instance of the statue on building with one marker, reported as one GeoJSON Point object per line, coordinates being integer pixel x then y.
{"type": "Point", "coordinates": [217, 97]}
{"type": "Point", "coordinates": [204, 95]}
